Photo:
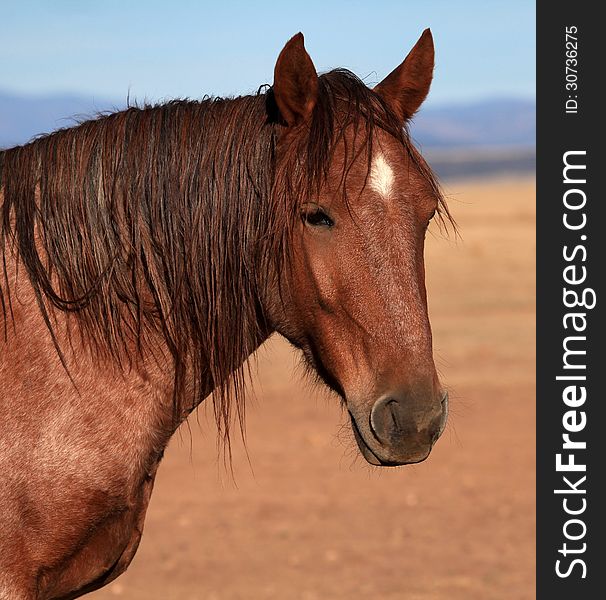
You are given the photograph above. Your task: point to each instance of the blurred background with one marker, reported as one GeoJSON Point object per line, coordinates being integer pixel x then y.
{"type": "Point", "coordinates": [304, 517]}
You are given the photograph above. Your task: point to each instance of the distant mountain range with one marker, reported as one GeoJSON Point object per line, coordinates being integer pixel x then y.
{"type": "Point", "coordinates": [500, 127]}
{"type": "Point", "coordinates": [494, 123]}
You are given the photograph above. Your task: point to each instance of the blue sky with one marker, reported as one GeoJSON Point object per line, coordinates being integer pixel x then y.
{"type": "Point", "coordinates": [157, 50]}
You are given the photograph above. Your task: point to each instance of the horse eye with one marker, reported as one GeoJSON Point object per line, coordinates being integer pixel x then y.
{"type": "Point", "coordinates": [317, 218]}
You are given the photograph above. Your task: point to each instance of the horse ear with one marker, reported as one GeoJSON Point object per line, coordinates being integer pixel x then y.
{"type": "Point", "coordinates": [295, 82]}
{"type": "Point", "coordinates": [405, 88]}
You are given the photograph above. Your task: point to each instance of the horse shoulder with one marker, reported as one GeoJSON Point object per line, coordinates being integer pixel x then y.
{"type": "Point", "coordinates": [78, 456]}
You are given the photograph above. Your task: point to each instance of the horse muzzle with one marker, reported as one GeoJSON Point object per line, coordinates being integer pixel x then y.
{"type": "Point", "coordinates": [399, 430]}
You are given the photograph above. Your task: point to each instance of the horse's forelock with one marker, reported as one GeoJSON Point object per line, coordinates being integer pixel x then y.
{"type": "Point", "coordinates": [347, 115]}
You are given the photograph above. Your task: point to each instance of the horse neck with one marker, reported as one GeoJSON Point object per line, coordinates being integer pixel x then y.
{"type": "Point", "coordinates": [177, 268]}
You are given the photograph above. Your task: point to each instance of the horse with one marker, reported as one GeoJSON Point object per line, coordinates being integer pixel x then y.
{"type": "Point", "coordinates": [147, 254]}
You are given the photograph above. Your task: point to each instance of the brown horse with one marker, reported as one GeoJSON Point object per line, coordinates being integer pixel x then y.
{"type": "Point", "coordinates": [148, 253]}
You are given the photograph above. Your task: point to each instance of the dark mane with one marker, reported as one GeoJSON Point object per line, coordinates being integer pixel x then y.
{"type": "Point", "coordinates": [171, 219]}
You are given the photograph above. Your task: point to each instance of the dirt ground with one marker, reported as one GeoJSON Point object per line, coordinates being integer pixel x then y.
{"type": "Point", "coordinates": [309, 519]}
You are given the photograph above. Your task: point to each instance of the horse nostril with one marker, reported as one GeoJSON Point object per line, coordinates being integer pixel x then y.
{"type": "Point", "coordinates": [388, 419]}
{"type": "Point", "coordinates": [410, 419]}
{"type": "Point", "coordinates": [392, 408]}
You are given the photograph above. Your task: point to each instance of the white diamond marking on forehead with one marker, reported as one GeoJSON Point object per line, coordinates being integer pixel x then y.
{"type": "Point", "coordinates": [381, 176]}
